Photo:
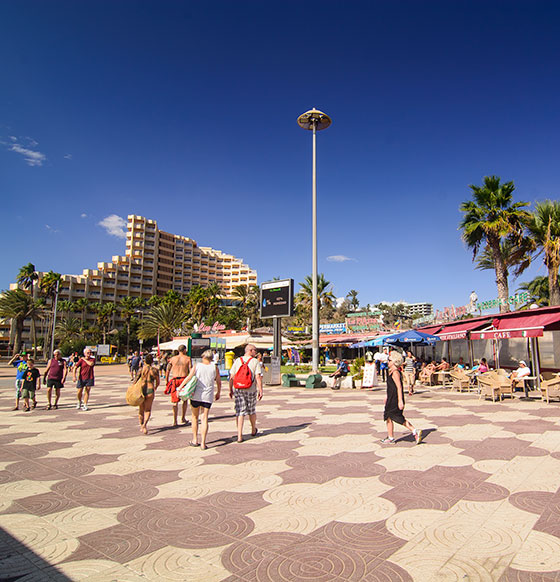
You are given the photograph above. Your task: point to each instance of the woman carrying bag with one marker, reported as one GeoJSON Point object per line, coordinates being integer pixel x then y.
{"type": "Point", "coordinates": [207, 375]}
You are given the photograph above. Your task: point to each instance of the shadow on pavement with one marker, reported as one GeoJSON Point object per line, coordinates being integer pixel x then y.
{"type": "Point", "coordinates": [18, 562]}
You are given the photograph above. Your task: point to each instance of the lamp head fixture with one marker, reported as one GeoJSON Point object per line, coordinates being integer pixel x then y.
{"type": "Point", "coordinates": [314, 118]}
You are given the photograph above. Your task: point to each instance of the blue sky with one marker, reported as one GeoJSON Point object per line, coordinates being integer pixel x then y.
{"type": "Point", "coordinates": [185, 112]}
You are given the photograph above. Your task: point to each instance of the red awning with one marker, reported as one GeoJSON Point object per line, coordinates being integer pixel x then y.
{"type": "Point", "coordinates": [528, 319]}
{"type": "Point", "coordinates": [507, 333]}
{"type": "Point", "coordinates": [431, 330]}
{"type": "Point", "coordinates": [459, 330]}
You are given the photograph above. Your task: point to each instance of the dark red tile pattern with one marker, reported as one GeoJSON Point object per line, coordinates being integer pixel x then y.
{"type": "Point", "coordinates": [320, 469]}
{"type": "Point", "coordinates": [532, 501]}
{"type": "Point", "coordinates": [334, 552]}
{"type": "Point", "coordinates": [499, 448]}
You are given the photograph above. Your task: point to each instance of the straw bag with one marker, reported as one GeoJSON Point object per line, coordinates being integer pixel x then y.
{"type": "Point", "coordinates": [134, 394]}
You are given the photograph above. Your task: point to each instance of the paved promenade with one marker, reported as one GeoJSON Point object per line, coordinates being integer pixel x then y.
{"type": "Point", "coordinates": [315, 496]}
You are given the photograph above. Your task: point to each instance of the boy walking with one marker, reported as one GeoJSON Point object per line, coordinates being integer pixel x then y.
{"type": "Point", "coordinates": [31, 382]}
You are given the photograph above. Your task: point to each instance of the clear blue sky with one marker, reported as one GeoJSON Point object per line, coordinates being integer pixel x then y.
{"type": "Point", "coordinates": [185, 112]}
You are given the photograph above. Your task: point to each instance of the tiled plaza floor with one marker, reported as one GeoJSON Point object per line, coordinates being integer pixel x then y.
{"type": "Point", "coordinates": [315, 496]}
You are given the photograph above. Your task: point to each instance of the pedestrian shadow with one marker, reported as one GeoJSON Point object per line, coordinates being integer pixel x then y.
{"type": "Point", "coordinates": [410, 437]}
{"type": "Point", "coordinates": [279, 430]}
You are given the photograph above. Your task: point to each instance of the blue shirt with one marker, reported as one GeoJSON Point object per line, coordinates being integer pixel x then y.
{"type": "Point", "coordinates": [21, 366]}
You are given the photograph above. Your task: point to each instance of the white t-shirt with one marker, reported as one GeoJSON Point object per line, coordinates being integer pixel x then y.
{"type": "Point", "coordinates": [522, 372]}
{"type": "Point", "coordinates": [206, 376]}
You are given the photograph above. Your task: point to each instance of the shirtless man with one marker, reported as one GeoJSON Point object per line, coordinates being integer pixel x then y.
{"type": "Point", "coordinates": [178, 369]}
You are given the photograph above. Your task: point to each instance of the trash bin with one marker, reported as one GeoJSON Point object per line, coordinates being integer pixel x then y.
{"type": "Point", "coordinates": [229, 357]}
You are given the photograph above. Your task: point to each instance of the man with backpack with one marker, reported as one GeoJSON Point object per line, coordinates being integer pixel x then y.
{"type": "Point", "coordinates": [340, 373]}
{"type": "Point", "coordinates": [245, 384]}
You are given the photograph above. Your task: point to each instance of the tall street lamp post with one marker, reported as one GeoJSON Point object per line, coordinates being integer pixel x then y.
{"type": "Point", "coordinates": [314, 120]}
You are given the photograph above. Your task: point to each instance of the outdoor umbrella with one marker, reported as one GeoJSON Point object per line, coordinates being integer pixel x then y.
{"type": "Point", "coordinates": [408, 338]}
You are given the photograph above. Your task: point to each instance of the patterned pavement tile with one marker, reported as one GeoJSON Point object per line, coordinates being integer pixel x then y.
{"type": "Point", "coordinates": [315, 496]}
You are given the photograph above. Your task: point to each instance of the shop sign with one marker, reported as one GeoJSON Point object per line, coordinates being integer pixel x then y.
{"type": "Point", "coordinates": [211, 328]}
{"type": "Point", "coordinates": [332, 328]}
{"type": "Point", "coordinates": [295, 329]}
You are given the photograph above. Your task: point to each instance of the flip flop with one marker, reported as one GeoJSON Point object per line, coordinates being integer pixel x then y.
{"type": "Point", "coordinates": [191, 444]}
{"type": "Point", "coordinates": [255, 433]}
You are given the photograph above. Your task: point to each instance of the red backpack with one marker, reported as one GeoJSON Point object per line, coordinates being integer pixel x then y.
{"type": "Point", "coordinates": [243, 378]}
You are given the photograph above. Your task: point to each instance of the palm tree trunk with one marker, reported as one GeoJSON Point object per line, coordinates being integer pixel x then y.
{"type": "Point", "coordinates": [553, 286]}
{"type": "Point", "coordinates": [501, 274]}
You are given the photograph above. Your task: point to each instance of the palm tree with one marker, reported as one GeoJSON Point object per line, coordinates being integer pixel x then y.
{"type": "Point", "coordinates": [128, 306]}
{"type": "Point", "coordinates": [352, 296]}
{"type": "Point", "coordinates": [49, 285]}
{"type": "Point", "coordinates": [16, 305]}
{"type": "Point", "coordinates": [163, 319]}
{"type": "Point", "coordinates": [68, 328]}
{"type": "Point", "coordinates": [26, 278]}
{"type": "Point", "coordinates": [82, 306]}
{"type": "Point", "coordinates": [325, 296]}
{"type": "Point", "coordinates": [544, 228]}
{"type": "Point", "coordinates": [538, 290]}
{"type": "Point", "coordinates": [104, 313]}
{"type": "Point", "coordinates": [489, 218]}
{"type": "Point", "coordinates": [516, 256]}
{"type": "Point", "coordinates": [66, 307]}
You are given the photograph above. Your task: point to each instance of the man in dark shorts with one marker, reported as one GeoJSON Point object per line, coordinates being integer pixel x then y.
{"type": "Point", "coordinates": [54, 377]}
{"type": "Point", "coordinates": [31, 382]}
{"type": "Point", "coordinates": [86, 380]}
{"type": "Point", "coordinates": [135, 365]}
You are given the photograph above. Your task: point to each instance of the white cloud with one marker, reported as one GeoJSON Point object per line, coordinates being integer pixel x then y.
{"type": "Point", "coordinates": [340, 259]}
{"type": "Point", "coordinates": [32, 157]}
{"type": "Point", "coordinates": [68, 156]}
{"type": "Point", "coordinates": [114, 225]}
{"type": "Point", "coordinates": [51, 229]}
{"type": "Point", "coordinates": [83, 215]}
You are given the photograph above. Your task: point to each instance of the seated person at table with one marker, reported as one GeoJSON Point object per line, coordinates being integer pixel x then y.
{"type": "Point", "coordinates": [426, 373]}
{"type": "Point", "coordinates": [519, 374]}
{"type": "Point", "coordinates": [460, 365]}
{"type": "Point", "coordinates": [444, 366]}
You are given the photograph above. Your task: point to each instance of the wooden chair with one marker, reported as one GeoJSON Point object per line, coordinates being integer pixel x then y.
{"type": "Point", "coordinates": [460, 380]}
{"type": "Point", "coordinates": [550, 388]}
{"type": "Point", "coordinates": [492, 384]}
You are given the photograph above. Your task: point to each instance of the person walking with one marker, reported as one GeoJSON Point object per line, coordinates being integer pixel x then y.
{"type": "Point", "coordinates": [54, 377]}
{"type": "Point", "coordinates": [245, 384]}
{"type": "Point", "coordinates": [383, 363]}
{"type": "Point", "coordinates": [207, 375]}
{"type": "Point", "coordinates": [178, 369]}
{"type": "Point", "coordinates": [31, 382]}
{"type": "Point", "coordinates": [84, 377]}
{"type": "Point", "coordinates": [410, 372]}
{"type": "Point", "coordinates": [394, 402]}
{"type": "Point", "coordinates": [135, 365]}
{"type": "Point", "coordinates": [19, 362]}
{"type": "Point", "coordinates": [150, 377]}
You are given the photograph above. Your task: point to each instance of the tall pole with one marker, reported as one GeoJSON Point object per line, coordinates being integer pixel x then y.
{"type": "Point", "coordinates": [315, 320]}
{"type": "Point", "coordinates": [314, 120]}
{"type": "Point", "coordinates": [54, 318]}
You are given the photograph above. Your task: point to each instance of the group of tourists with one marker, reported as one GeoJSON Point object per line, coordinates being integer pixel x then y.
{"type": "Point", "coordinates": [28, 379]}
{"type": "Point", "coordinates": [245, 387]}
{"type": "Point", "coordinates": [245, 384]}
